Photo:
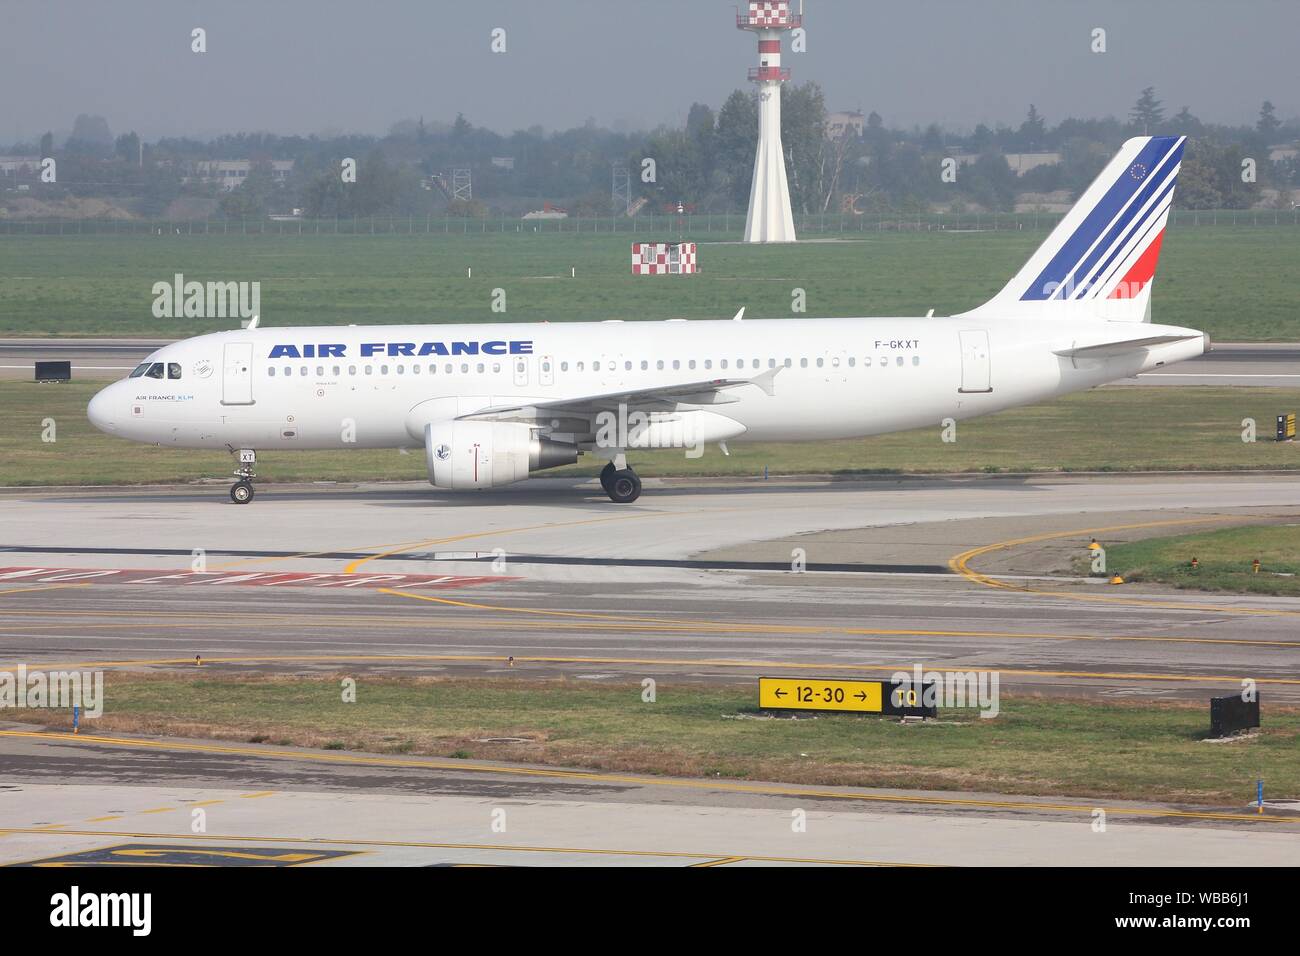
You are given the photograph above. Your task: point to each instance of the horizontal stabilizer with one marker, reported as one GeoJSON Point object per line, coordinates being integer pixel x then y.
{"type": "Point", "coordinates": [1107, 349]}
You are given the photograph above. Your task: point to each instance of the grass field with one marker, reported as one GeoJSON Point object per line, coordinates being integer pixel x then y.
{"type": "Point", "coordinates": [1236, 282]}
{"type": "Point", "coordinates": [1225, 558]}
{"type": "Point", "coordinates": [1114, 749]}
{"type": "Point", "coordinates": [1108, 429]}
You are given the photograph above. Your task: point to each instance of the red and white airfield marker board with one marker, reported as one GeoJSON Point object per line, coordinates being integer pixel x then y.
{"type": "Point", "coordinates": [664, 258]}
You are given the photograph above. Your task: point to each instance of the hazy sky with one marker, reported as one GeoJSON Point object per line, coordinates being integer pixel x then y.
{"type": "Point", "coordinates": [304, 66]}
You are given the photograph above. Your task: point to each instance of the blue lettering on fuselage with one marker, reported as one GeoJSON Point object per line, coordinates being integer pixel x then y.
{"type": "Point", "coordinates": [397, 349]}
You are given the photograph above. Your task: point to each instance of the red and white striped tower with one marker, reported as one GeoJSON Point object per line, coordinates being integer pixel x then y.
{"type": "Point", "coordinates": [769, 218]}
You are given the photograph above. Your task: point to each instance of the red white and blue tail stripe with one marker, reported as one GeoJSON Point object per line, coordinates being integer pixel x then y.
{"type": "Point", "coordinates": [1100, 260]}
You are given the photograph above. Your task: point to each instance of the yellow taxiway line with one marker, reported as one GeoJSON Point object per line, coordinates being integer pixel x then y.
{"type": "Point", "coordinates": [960, 564]}
{"type": "Point", "coordinates": [138, 620]}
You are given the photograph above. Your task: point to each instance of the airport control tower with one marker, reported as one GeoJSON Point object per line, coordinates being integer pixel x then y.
{"type": "Point", "coordinates": [769, 218]}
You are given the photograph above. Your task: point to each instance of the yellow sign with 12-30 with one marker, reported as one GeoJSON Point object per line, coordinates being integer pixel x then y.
{"type": "Point", "coordinates": [797, 693]}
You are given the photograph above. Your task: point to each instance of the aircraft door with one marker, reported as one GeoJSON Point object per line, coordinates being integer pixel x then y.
{"type": "Point", "coordinates": [975, 365]}
{"type": "Point", "coordinates": [521, 369]}
{"type": "Point", "coordinates": [237, 374]}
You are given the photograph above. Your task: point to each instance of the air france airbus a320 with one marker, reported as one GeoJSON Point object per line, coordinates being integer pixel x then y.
{"type": "Point", "coordinates": [492, 403]}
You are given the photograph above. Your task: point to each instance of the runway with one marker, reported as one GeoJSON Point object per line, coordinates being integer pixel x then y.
{"type": "Point", "coordinates": [699, 580]}
{"type": "Point", "coordinates": [1275, 364]}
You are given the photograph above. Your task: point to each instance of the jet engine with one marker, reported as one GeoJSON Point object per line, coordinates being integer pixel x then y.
{"type": "Point", "coordinates": [489, 454]}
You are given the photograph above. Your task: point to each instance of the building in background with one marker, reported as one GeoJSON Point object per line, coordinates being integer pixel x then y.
{"type": "Point", "coordinates": [850, 123]}
{"type": "Point", "coordinates": [231, 173]}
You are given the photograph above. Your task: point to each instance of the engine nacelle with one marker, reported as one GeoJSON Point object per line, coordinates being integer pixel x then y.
{"type": "Point", "coordinates": [488, 454]}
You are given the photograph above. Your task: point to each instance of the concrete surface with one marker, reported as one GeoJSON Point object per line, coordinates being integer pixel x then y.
{"type": "Point", "coordinates": [426, 812]}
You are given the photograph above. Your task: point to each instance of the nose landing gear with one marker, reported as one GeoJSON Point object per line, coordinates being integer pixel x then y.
{"type": "Point", "coordinates": [241, 492]}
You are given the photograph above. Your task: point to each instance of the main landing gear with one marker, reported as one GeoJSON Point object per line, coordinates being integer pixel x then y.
{"type": "Point", "coordinates": [621, 484]}
{"type": "Point", "coordinates": [241, 492]}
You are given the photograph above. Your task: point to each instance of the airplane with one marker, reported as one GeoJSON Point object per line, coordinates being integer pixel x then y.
{"type": "Point", "coordinates": [492, 404]}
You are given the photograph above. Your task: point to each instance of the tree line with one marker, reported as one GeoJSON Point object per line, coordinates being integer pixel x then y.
{"type": "Point", "coordinates": [704, 164]}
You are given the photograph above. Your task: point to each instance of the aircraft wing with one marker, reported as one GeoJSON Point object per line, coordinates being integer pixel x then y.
{"type": "Point", "coordinates": [664, 397]}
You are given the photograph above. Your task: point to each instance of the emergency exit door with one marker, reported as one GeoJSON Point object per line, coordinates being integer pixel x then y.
{"type": "Point", "coordinates": [975, 372]}
{"type": "Point", "coordinates": [237, 374]}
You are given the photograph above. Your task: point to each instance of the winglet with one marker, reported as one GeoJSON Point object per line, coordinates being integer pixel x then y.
{"type": "Point", "coordinates": [252, 323]}
{"type": "Point", "coordinates": [739, 316]}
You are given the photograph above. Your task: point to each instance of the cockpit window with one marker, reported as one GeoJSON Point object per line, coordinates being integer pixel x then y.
{"type": "Point", "coordinates": [139, 370]}
{"type": "Point", "coordinates": [173, 369]}
{"type": "Point", "coordinates": [155, 370]}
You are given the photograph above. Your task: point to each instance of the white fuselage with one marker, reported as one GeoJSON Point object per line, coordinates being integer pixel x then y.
{"type": "Point", "coordinates": [370, 387]}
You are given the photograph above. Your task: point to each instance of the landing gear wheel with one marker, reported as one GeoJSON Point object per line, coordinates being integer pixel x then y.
{"type": "Point", "coordinates": [606, 474]}
{"type": "Point", "coordinates": [241, 492]}
{"type": "Point", "coordinates": [624, 487]}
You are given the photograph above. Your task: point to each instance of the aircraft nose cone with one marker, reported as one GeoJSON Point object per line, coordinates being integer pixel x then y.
{"type": "Point", "coordinates": [100, 411]}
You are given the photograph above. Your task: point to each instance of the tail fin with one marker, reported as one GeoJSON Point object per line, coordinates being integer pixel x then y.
{"type": "Point", "coordinates": [1100, 260]}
